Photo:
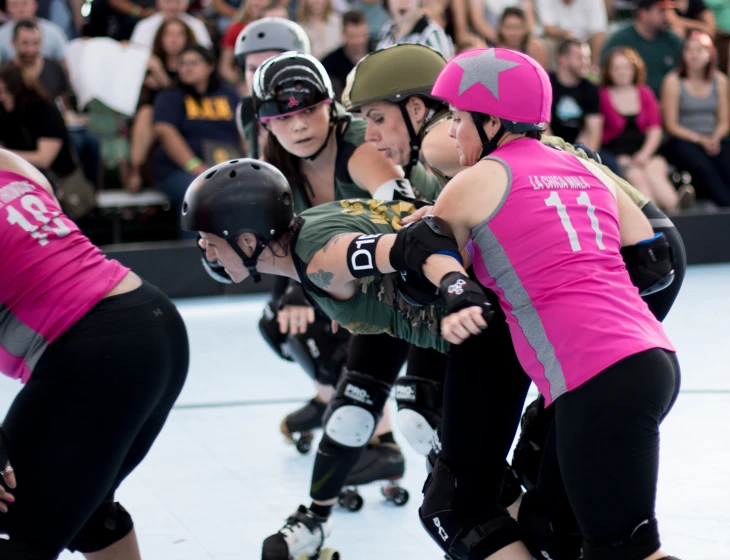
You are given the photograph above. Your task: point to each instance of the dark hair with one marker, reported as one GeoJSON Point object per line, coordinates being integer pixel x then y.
{"type": "Point", "coordinates": [24, 93]}
{"type": "Point", "coordinates": [353, 17]}
{"type": "Point", "coordinates": [214, 81]}
{"type": "Point", "coordinates": [566, 45]}
{"type": "Point", "coordinates": [514, 11]}
{"type": "Point", "coordinates": [157, 49]}
{"type": "Point", "coordinates": [633, 56]}
{"type": "Point", "coordinates": [706, 41]}
{"type": "Point", "coordinates": [284, 240]}
{"type": "Point", "coordinates": [24, 24]}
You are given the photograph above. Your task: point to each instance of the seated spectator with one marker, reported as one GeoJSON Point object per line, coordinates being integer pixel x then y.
{"type": "Point", "coordinates": [194, 123]}
{"type": "Point", "coordinates": [276, 9]}
{"type": "Point", "coordinates": [125, 14]}
{"type": "Point", "coordinates": [576, 113]}
{"type": "Point", "coordinates": [226, 11]}
{"type": "Point", "coordinates": [357, 44]}
{"type": "Point", "coordinates": [691, 15]}
{"type": "Point", "coordinates": [322, 24]}
{"type": "Point", "coordinates": [648, 35]}
{"type": "Point", "coordinates": [54, 39]}
{"type": "Point", "coordinates": [695, 102]}
{"type": "Point", "coordinates": [486, 16]}
{"type": "Point", "coordinates": [632, 128]}
{"type": "Point", "coordinates": [250, 11]}
{"type": "Point", "coordinates": [410, 24]}
{"type": "Point", "coordinates": [721, 11]}
{"type": "Point", "coordinates": [32, 126]}
{"type": "Point", "coordinates": [514, 33]}
{"type": "Point", "coordinates": [171, 38]}
{"type": "Point", "coordinates": [145, 31]}
{"type": "Point", "coordinates": [375, 13]}
{"type": "Point", "coordinates": [584, 20]}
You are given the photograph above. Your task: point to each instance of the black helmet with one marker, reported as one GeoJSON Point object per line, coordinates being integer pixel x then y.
{"type": "Point", "coordinates": [290, 82]}
{"type": "Point", "coordinates": [270, 34]}
{"type": "Point", "coordinates": [240, 196]}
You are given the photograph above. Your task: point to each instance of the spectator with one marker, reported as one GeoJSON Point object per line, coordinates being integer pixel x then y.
{"type": "Point", "coordinates": [125, 14]}
{"type": "Point", "coordinates": [375, 13]}
{"type": "Point", "coordinates": [695, 103]}
{"type": "Point", "coordinates": [275, 9]}
{"type": "Point", "coordinates": [357, 40]}
{"type": "Point", "coordinates": [145, 31]}
{"type": "Point", "coordinates": [576, 113]}
{"type": "Point", "coordinates": [322, 24]}
{"type": "Point", "coordinates": [648, 35]}
{"type": "Point", "coordinates": [691, 15]}
{"type": "Point", "coordinates": [721, 11]}
{"type": "Point", "coordinates": [514, 33]}
{"type": "Point", "coordinates": [410, 24]}
{"type": "Point", "coordinates": [28, 45]}
{"type": "Point", "coordinates": [226, 12]}
{"type": "Point", "coordinates": [194, 122]}
{"type": "Point", "coordinates": [250, 11]}
{"type": "Point", "coordinates": [486, 16]}
{"type": "Point", "coordinates": [632, 128]}
{"type": "Point", "coordinates": [53, 39]}
{"type": "Point", "coordinates": [32, 126]}
{"type": "Point", "coordinates": [171, 38]}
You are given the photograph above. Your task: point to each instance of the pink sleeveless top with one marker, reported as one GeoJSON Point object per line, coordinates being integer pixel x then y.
{"type": "Point", "coordinates": [550, 251]}
{"type": "Point", "coordinates": [50, 274]}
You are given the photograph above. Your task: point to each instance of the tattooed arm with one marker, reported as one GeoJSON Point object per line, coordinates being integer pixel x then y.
{"type": "Point", "coordinates": [328, 268]}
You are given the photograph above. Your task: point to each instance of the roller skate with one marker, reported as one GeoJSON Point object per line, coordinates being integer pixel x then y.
{"type": "Point", "coordinates": [379, 462]}
{"type": "Point", "coordinates": [301, 538]}
{"type": "Point", "coordinates": [302, 422]}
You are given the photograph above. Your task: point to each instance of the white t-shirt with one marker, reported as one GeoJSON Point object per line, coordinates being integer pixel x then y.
{"type": "Point", "coordinates": [582, 17]}
{"type": "Point", "coordinates": [146, 29]}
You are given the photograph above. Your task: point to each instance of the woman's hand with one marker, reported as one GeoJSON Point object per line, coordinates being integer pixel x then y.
{"type": "Point", "coordinates": [417, 215]}
{"type": "Point", "coordinates": [5, 496]}
{"type": "Point", "coordinates": [459, 326]}
{"type": "Point", "coordinates": [295, 319]}
{"type": "Point", "coordinates": [640, 159]}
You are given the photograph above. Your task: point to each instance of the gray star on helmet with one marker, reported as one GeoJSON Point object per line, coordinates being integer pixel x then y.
{"type": "Point", "coordinates": [484, 69]}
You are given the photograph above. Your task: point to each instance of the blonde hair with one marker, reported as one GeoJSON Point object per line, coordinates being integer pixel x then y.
{"type": "Point", "coordinates": [304, 13]}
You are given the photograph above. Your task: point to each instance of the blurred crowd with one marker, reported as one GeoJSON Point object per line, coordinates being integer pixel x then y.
{"type": "Point", "coordinates": [641, 82]}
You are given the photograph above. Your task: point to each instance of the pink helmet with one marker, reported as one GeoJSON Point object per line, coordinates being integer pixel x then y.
{"type": "Point", "coordinates": [502, 83]}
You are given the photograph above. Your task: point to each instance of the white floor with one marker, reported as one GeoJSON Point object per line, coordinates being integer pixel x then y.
{"type": "Point", "coordinates": [220, 478]}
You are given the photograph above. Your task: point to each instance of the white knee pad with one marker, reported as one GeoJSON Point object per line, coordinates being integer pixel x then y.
{"type": "Point", "coordinates": [416, 429]}
{"type": "Point", "coordinates": [351, 426]}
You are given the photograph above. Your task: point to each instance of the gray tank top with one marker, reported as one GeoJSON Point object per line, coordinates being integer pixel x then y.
{"type": "Point", "coordinates": [699, 114]}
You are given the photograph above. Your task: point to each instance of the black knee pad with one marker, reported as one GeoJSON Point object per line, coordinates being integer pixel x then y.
{"type": "Point", "coordinates": [544, 536]}
{"type": "Point", "coordinates": [269, 329]}
{"type": "Point", "coordinates": [321, 353]}
{"type": "Point", "coordinates": [109, 524]}
{"type": "Point", "coordinates": [419, 410]}
{"type": "Point", "coordinates": [463, 532]}
{"type": "Point", "coordinates": [635, 544]}
{"type": "Point", "coordinates": [355, 409]}
{"type": "Point", "coordinates": [16, 550]}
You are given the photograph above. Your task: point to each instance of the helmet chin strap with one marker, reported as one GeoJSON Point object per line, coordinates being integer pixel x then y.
{"type": "Point", "coordinates": [415, 139]}
{"type": "Point", "coordinates": [488, 146]}
{"type": "Point", "coordinates": [332, 125]}
{"type": "Point", "coordinates": [249, 262]}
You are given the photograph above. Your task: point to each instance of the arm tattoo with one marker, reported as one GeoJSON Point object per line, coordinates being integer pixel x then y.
{"type": "Point", "coordinates": [332, 241]}
{"type": "Point", "coordinates": [321, 279]}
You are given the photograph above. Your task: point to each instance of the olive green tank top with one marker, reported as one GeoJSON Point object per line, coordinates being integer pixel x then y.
{"type": "Point", "coordinates": [376, 307]}
{"type": "Point", "coordinates": [639, 199]}
{"type": "Point", "coordinates": [438, 118]}
{"type": "Point", "coordinates": [349, 138]}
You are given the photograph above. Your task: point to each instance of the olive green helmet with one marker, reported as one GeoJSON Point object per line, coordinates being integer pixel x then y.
{"type": "Point", "coordinates": [393, 74]}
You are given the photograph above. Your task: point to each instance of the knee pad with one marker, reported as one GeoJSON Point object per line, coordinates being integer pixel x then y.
{"type": "Point", "coordinates": [419, 410]}
{"type": "Point", "coordinates": [321, 353]}
{"type": "Point", "coordinates": [544, 536]}
{"type": "Point", "coordinates": [109, 524]}
{"type": "Point", "coordinates": [462, 534]}
{"type": "Point", "coordinates": [355, 409]}
{"type": "Point", "coordinates": [636, 544]}
{"type": "Point", "coordinates": [650, 264]}
{"type": "Point", "coordinates": [269, 329]}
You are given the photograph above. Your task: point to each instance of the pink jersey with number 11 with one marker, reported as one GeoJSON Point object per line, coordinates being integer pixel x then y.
{"type": "Point", "coordinates": [551, 253]}
{"type": "Point", "coordinates": [51, 275]}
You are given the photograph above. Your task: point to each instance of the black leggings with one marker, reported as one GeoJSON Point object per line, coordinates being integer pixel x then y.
{"type": "Point", "coordinates": [380, 356]}
{"type": "Point", "coordinates": [602, 454]}
{"type": "Point", "coordinates": [92, 409]}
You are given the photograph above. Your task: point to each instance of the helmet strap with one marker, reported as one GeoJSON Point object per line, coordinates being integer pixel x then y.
{"type": "Point", "coordinates": [249, 262]}
{"type": "Point", "coordinates": [332, 125]}
{"type": "Point", "coordinates": [414, 140]}
{"type": "Point", "coordinates": [488, 146]}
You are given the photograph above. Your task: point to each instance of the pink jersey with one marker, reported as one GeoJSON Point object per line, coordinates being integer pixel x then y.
{"type": "Point", "coordinates": [550, 251]}
{"type": "Point", "coordinates": [50, 274]}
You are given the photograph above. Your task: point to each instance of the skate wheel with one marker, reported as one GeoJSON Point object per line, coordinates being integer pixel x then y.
{"type": "Point", "coordinates": [400, 496]}
{"type": "Point", "coordinates": [304, 443]}
{"type": "Point", "coordinates": [351, 500]}
{"type": "Point", "coordinates": [330, 554]}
